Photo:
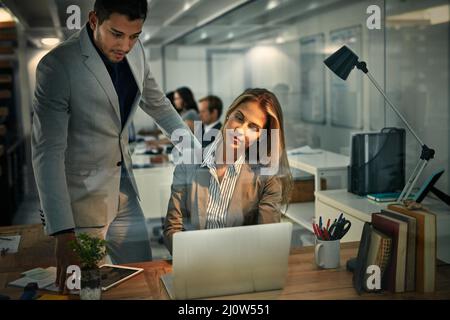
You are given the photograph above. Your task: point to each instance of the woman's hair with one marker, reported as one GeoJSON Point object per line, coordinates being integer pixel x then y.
{"type": "Point", "coordinates": [269, 102]}
{"type": "Point", "coordinates": [169, 95]}
{"type": "Point", "coordinates": [188, 98]}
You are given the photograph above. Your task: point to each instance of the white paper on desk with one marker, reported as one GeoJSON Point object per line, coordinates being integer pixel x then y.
{"type": "Point", "coordinates": [149, 138]}
{"type": "Point", "coordinates": [145, 138]}
{"type": "Point", "coordinates": [43, 278]}
{"type": "Point", "coordinates": [12, 245]}
{"type": "Point", "coordinates": [53, 288]}
{"type": "Point", "coordinates": [140, 148]}
{"type": "Point", "coordinates": [39, 273]}
{"type": "Point", "coordinates": [304, 150]}
{"type": "Point", "coordinates": [141, 160]}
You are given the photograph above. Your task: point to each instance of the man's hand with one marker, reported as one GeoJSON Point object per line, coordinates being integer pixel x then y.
{"type": "Point", "coordinates": [64, 258]}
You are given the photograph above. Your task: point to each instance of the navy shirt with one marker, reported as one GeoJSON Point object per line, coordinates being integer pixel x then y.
{"type": "Point", "coordinates": [122, 79]}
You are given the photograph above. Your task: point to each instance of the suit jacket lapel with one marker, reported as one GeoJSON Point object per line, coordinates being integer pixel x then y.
{"type": "Point", "coordinates": [136, 64]}
{"type": "Point", "coordinates": [95, 64]}
{"type": "Point", "coordinates": [202, 179]}
{"type": "Point", "coordinates": [238, 199]}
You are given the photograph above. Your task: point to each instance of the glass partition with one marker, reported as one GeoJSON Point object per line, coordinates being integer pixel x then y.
{"type": "Point", "coordinates": [280, 45]}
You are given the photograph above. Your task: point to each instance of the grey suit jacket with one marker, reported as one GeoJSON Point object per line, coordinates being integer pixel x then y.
{"type": "Point", "coordinates": [77, 140]}
{"type": "Point", "coordinates": [256, 200]}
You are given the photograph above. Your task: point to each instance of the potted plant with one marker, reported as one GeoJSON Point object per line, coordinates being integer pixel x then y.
{"type": "Point", "coordinates": [90, 251]}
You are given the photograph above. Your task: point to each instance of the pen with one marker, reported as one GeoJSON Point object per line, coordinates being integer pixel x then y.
{"type": "Point", "coordinates": [320, 222]}
{"type": "Point", "coordinates": [315, 230]}
{"type": "Point", "coordinates": [333, 230]}
{"type": "Point", "coordinates": [328, 224]}
{"type": "Point", "coordinates": [319, 232]}
{"type": "Point", "coordinates": [327, 235]}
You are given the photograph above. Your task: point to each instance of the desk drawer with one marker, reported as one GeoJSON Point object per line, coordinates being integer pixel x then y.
{"type": "Point", "coordinates": [329, 212]}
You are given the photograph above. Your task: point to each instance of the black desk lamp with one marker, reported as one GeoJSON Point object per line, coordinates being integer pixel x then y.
{"type": "Point", "coordinates": [342, 63]}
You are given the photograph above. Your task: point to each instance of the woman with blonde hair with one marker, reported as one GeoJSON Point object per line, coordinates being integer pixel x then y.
{"type": "Point", "coordinates": [244, 178]}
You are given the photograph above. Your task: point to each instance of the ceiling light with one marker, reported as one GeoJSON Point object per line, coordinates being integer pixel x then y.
{"type": "Point", "coordinates": [313, 6]}
{"type": "Point", "coordinates": [50, 41]}
{"type": "Point", "coordinates": [204, 35]}
{"type": "Point", "coordinates": [5, 16]}
{"type": "Point", "coordinates": [280, 40]}
{"type": "Point", "coordinates": [331, 49]}
{"type": "Point", "coordinates": [230, 35]}
{"type": "Point", "coordinates": [272, 4]}
{"type": "Point", "coordinates": [432, 16]}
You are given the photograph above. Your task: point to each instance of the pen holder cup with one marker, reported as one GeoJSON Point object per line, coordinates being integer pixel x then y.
{"type": "Point", "coordinates": [327, 254]}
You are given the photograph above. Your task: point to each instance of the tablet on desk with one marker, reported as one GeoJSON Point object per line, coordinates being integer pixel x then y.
{"type": "Point", "coordinates": [112, 275]}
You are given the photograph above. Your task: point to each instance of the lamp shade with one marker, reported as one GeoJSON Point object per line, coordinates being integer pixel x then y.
{"type": "Point", "coordinates": [342, 62]}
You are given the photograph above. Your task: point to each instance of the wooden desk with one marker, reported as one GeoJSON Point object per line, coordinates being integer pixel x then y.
{"type": "Point", "coordinates": [304, 281]}
{"type": "Point", "coordinates": [35, 250]}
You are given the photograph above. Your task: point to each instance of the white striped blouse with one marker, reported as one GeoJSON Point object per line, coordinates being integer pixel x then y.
{"type": "Point", "coordinates": [220, 193]}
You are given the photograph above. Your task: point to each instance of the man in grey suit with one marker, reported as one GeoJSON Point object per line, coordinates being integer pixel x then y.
{"type": "Point", "coordinates": [87, 91]}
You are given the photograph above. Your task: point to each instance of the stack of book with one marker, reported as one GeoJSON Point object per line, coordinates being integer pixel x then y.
{"type": "Point", "coordinates": [403, 244]}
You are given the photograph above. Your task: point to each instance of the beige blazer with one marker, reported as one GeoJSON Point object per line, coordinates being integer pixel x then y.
{"type": "Point", "coordinates": [256, 200]}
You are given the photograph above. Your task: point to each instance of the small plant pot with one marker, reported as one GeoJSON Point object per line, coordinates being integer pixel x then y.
{"type": "Point", "coordinates": [91, 287]}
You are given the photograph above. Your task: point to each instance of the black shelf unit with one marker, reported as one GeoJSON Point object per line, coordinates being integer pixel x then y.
{"type": "Point", "coordinates": [12, 144]}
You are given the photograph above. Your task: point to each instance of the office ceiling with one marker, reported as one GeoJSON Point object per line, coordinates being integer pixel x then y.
{"type": "Point", "coordinates": [167, 19]}
{"type": "Point", "coordinates": [256, 20]}
{"type": "Point", "coordinates": [268, 21]}
{"type": "Point", "coordinates": [193, 22]}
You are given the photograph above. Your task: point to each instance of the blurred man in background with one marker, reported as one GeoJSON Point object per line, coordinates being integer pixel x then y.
{"type": "Point", "coordinates": [210, 111]}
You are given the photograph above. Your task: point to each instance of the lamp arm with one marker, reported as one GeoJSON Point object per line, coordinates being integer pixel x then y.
{"type": "Point", "coordinates": [426, 154]}
{"type": "Point", "coordinates": [394, 108]}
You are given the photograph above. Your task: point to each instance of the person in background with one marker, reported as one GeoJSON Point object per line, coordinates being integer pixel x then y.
{"type": "Point", "coordinates": [170, 96]}
{"type": "Point", "coordinates": [210, 111]}
{"type": "Point", "coordinates": [220, 193]}
{"type": "Point", "coordinates": [183, 101]}
{"type": "Point", "coordinates": [186, 106]}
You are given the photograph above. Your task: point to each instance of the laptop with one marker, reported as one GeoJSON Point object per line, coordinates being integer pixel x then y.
{"type": "Point", "coordinates": [228, 261]}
